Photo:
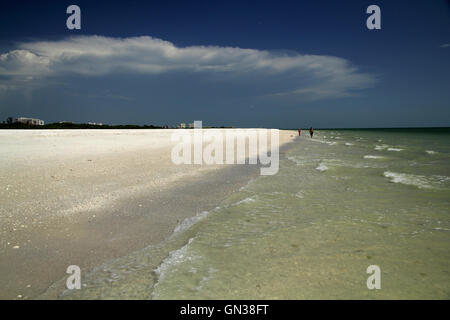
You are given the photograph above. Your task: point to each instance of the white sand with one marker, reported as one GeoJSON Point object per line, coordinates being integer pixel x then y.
{"type": "Point", "coordinates": [62, 195]}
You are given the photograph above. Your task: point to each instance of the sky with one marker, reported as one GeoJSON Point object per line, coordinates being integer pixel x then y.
{"type": "Point", "coordinates": [276, 64]}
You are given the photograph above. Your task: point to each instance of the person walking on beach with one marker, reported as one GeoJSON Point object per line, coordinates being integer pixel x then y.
{"type": "Point", "coordinates": [311, 131]}
{"type": "Point", "coordinates": [299, 132]}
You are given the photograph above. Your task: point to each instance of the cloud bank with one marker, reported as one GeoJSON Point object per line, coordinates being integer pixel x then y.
{"type": "Point", "coordinates": [297, 75]}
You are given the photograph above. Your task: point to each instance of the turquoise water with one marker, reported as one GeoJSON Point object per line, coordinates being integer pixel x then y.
{"type": "Point", "coordinates": [341, 202]}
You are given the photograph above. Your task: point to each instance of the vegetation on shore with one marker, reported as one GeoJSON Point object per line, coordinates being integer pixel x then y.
{"type": "Point", "coordinates": [67, 125]}
{"type": "Point", "coordinates": [10, 124]}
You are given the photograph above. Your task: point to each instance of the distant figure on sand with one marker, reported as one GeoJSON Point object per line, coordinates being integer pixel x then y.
{"type": "Point", "coordinates": [311, 131]}
{"type": "Point", "coordinates": [299, 132]}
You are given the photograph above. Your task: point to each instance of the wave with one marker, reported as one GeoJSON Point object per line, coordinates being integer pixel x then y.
{"type": "Point", "coordinates": [246, 200]}
{"type": "Point", "coordinates": [381, 147]}
{"type": "Point", "coordinates": [322, 167]}
{"type": "Point", "coordinates": [326, 164]}
{"type": "Point", "coordinates": [430, 152]}
{"type": "Point", "coordinates": [175, 257]}
{"type": "Point", "coordinates": [423, 182]}
{"type": "Point", "coordinates": [441, 229]}
{"type": "Point", "coordinates": [387, 147]}
{"type": "Point", "coordinates": [372, 157]}
{"type": "Point", "coordinates": [394, 149]}
{"type": "Point", "coordinates": [408, 179]}
{"type": "Point", "coordinates": [188, 222]}
{"type": "Point", "coordinates": [348, 144]}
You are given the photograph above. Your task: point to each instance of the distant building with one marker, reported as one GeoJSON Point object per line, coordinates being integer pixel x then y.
{"type": "Point", "coordinates": [95, 123]}
{"type": "Point", "coordinates": [30, 121]}
{"type": "Point", "coordinates": [191, 125]}
{"type": "Point", "coordinates": [182, 126]}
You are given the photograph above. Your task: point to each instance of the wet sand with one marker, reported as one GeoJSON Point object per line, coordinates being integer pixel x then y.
{"type": "Point", "coordinates": [86, 196]}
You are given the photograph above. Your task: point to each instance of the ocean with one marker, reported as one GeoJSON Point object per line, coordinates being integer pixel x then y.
{"type": "Point", "coordinates": [341, 202]}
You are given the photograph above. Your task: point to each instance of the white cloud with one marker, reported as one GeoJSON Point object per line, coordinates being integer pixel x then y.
{"type": "Point", "coordinates": [322, 76]}
{"type": "Point", "coordinates": [445, 45]}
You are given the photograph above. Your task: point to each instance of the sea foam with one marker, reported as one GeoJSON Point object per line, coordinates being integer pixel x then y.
{"type": "Point", "coordinates": [246, 200]}
{"type": "Point", "coordinates": [408, 179]}
{"type": "Point", "coordinates": [395, 149]}
{"type": "Point", "coordinates": [188, 222]}
{"type": "Point", "coordinates": [322, 167]}
{"type": "Point", "coordinates": [381, 147]}
{"type": "Point", "coordinates": [175, 257]}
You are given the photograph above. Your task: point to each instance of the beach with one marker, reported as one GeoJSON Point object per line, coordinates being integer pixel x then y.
{"type": "Point", "coordinates": [140, 227]}
{"type": "Point", "coordinates": [341, 203]}
{"type": "Point", "coordinates": [84, 197]}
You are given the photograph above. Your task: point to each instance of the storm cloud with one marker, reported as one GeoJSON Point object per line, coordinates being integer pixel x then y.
{"type": "Point", "coordinates": [275, 74]}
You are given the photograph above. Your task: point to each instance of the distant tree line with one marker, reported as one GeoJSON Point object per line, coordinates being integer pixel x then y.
{"type": "Point", "coordinates": [10, 124]}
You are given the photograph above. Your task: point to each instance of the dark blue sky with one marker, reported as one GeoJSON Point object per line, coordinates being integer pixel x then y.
{"type": "Point", "coordinates": [339, 73]}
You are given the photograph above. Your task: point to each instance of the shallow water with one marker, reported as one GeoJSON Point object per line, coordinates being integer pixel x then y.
{"type": "Point", "coordinates": [341, 202]}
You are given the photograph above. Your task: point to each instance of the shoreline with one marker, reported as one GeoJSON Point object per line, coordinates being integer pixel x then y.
{"type": "Point", "coordinates": [131, 199]}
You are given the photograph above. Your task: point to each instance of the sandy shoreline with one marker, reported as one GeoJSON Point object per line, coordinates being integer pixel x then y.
{"type": "Point", "coordinates": [85, 196]}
